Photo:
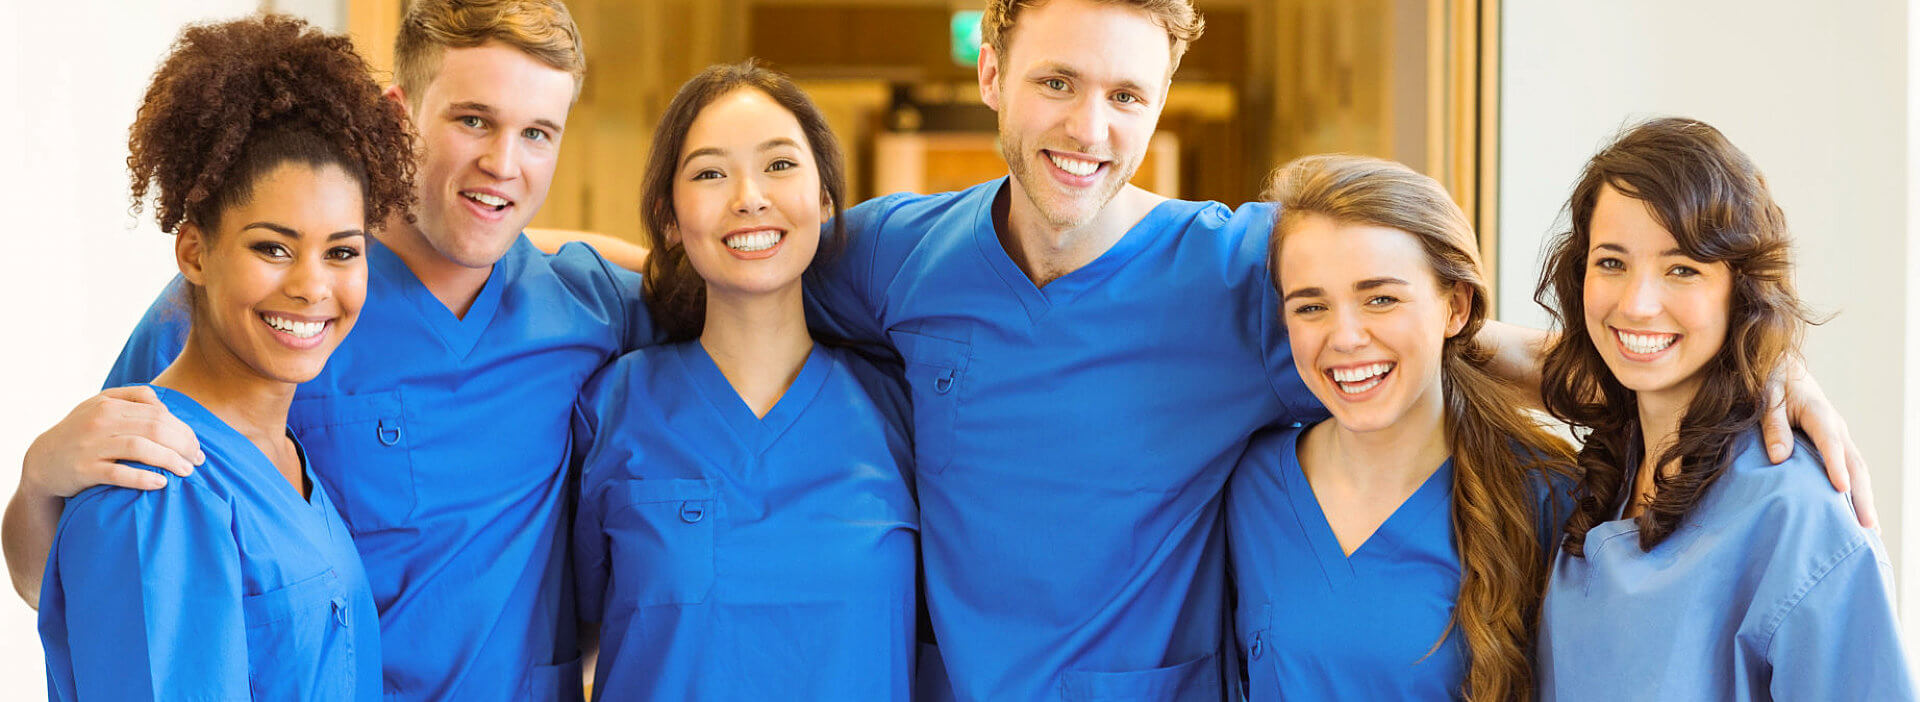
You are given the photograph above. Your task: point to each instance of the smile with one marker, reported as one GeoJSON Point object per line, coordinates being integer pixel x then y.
{"type": "Point", "coordinates": [297, 329]}
{"type": "Point", "coordinates": [1644, 344]}
{"type": "Point", "coordinates": [1077, 167]}
{"type": "Point", "coordinates": [1356, 380]}
{"type": "Point", "coordinates": [487, 199]}
{"type": "Point", "coordinates": [750, 242]}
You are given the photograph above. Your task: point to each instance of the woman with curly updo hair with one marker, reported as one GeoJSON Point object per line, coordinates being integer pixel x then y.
{"type": "Point", "coordinates": [268, 153]}
{"type": "Point", "coordinates": [1692, 568]}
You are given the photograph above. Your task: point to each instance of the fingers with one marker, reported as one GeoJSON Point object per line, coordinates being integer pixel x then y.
{"type": "Point", "coordinates": [1774, 429]}
{"type": "Point", "coordinates": [140, 449]}
{"type": "Point", "coordinates": [1834, 447]}
{"type": "Point", "coordinates": [1862, 492]}
{"type": "Point", "coordinates": [139, 413]}
{"type": "Point", "coordinates": [130, 477]}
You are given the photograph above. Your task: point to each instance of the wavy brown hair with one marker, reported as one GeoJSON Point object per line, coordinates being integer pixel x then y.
{"type": "Point", "coordinates": [234, 100]}
{"type": "Point", "coordinates": [1183, 24]}
{"type": "Point", "coordinates": [1716, 204]}
{"type": "Point", "coordinates": [1503, 459]}
{"type": "Point", "coordinates": [674, 291]}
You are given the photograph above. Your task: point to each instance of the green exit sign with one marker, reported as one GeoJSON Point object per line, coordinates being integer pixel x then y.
{"type": "Point", "coordinates": [965, 30]}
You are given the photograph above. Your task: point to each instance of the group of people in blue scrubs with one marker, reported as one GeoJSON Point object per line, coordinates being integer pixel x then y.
{"type": "Point", "coordinates": [1053, 437]}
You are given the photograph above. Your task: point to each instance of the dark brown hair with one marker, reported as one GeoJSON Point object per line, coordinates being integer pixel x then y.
{"type": "Point", "coordinates": [675, 293]}
{"type": "Point", "coordinates": [1715, 203]}
{"type": "Point", "coordinates": [1503, 459]}
{"type": "Point", "coordinates": [234, 100]}
{"type": "Point", "coordinates": [543, 29]}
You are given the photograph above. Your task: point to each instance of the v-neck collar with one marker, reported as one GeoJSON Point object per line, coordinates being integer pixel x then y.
{"type": "Point", "coordinates": [1383, 543]}
{"type": "Point", "coordinates": [212, 427]}
{"type": "Point", "coordinates": [1038, 300]}
{"type": "Point", "coordinates": [459, 334]}
{"type": "Point", "coordinates": [756, 433]}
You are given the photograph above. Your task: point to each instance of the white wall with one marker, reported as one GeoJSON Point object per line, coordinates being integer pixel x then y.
{"type": "Point", "coordinates": [79, 269]}
{"type": "Point", "coordinates": [1818, 94]}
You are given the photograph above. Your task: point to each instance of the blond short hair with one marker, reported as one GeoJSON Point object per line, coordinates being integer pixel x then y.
{"type": "Point", "coordinates": [541, 28]}
{"type": "Point", "coordinates": [1182, 23]}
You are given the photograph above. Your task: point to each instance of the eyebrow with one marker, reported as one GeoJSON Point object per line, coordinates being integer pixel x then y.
{"type": "Point", "coordinates": [486, 109]}
{"type": "Point", "coordinates": [1675, 251]}
{"type": "Point", "coordinates": [1363, 285]}
{"type": "Point", "coordinates": [717, 151]}
{"type": "Point", "coordinates": [1068, 71]}
{"type": "Point", "coordinates": [290, 233]}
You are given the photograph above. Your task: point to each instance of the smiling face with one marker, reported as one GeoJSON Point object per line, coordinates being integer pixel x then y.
{"type": "Point", "coordinates": [746, 197]}
{"type": "Point", "coordinates": [281, 281]}
{"type": "Point", "coordinates": [1078, 92]}
{"type": "Point", "coordinates": [1366, 318]}
{"type": "Point", "coordinates": [490, 124]}
{"type": "Point", "coordinates": [1656, 316]}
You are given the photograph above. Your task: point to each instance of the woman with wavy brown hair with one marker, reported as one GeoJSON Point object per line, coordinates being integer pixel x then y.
{"type": "Point", "coordinates": [269, 155]}
{"type": "Point", "coordinates": [1396, 551]}
{"type": "Point", "coordinates": [1692, 569]}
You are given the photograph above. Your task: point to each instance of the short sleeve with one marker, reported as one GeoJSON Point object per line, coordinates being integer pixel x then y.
{"type": "Point", "coordinates": [1841, 639]}
{"type": "Point", "coordinates": [156, 340]}
{"type": "Point", "coordinates": [840, 286]}
{"type": "Point", "coordinates": [1254, 277]}
{"type": "Point", "coordinates": [613, 293]}
{"type": "Point", "coordinates": [590, 546]}
{"type": "Point", "coordinates": [144, 597]}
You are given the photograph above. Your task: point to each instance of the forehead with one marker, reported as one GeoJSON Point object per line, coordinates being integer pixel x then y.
{"type": "Point", "coordinates": [1102, 41]}
{"type": "Point", "coordinates": [1628, 222]}
{"type": "Point", "coordinates": [742, 119]}
{"type": "Point", "coordinates": [503, 78]}
{"type": "Point", "coordinates": [324, 199]}
{"type": "Point", "coordinates": [1319, 251]}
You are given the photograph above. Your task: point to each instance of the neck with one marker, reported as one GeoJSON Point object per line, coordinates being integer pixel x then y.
{"type": "Point", "coordinates": [454, 285]}
{"type": "Point", "coordinates": [1046, 250]}
{"type": "Point", "coordinates": [759, 342]}
{"type": "Point", "coordinates": [1394, 459]}
{"type": "Point", "coordinates": [210, 374]}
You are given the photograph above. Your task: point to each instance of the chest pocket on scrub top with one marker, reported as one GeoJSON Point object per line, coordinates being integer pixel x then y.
{"type": "Point", "coordinates": [303, 628]}
{"type": "Point", "coordinates": [360, 443]}
{"type": "Point", "coordinates": [662, 539]}
{"type": "Point", "coordinates": [935, 369]}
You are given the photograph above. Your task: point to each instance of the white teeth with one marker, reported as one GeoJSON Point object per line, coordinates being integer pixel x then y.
{"type": "Point", "coordinates": [1355, 375]}
{"type": "Point", "coordinates": [1645, 343]}
{"type": "Point", "coordinates": [299, 330]}
{"type": "Point", "coordinates": [485, 199]}
{"type": "Point", "coordinates": [753, 241]}
{"type": "Point", "coordinates": [1074, 165]}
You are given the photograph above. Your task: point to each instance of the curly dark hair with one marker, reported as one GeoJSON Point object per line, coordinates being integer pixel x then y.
{"type": "Point", "coordinates": [234, 100]}
{"type": "Point", "coordinates": [1705, 191]}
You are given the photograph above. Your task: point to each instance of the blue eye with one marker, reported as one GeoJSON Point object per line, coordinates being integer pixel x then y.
{"type": "Point", "coordinates": [472, 122]}
{"type": "Point", "coordinates": [1059, 84]}
{"type": "Point", "coordinates": [1382, 300]}
{"type": "Point", "coordinates": [1126, 98]}
{"type": "Point", "coordinates": [535, 134]}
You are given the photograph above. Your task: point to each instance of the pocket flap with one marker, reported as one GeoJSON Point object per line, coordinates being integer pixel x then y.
{"type": "Point", "coordinates": [1197, 679]}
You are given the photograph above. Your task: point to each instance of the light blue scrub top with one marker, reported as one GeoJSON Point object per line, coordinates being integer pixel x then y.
{"type": "Point", "coordinates": [445, 442]}
{"type": "Point", "coordinates": [1071, 441]}
{"type": "Point", "coordinates": [1314, 623]}
{"type": "Point", "coordinates": [734, 557]}
{"type": "Point", "coordinates": [1770, 590]}
{"type": "Point", "coordinates": [223, 585]}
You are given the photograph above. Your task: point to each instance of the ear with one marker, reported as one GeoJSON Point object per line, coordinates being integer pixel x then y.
{"type": "Point", "coordinates": [988, 66]}
{"type": "Point", "coordinates": [1459, 304]}
{"type": "Point", "coordinates": [398, 96]}
{"type": "Point", "coordinates": [189, 253]}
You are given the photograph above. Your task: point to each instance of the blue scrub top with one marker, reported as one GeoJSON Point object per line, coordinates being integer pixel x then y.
{"type": "Point", "coordinates": [1769, 590]}
{"type": "Point", "coordinates": [445, 442]}
{"type": "Point", "coordinates": [225, 584]}
{"type": "Point", "coordinates": [736, 557]}
{"type": "Point", "coordinates": [1315, 623]}
{"type": "Point", "coordinates": [1071, 441]}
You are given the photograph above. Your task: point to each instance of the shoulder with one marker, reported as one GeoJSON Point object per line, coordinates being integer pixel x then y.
{"type": "Point", "coordinates": [628, 378]}
{"type": "Point", "coordinates": [1798, 484]}
{"type": "Point", "coordinates": [1787, 517]}
{"type": "Point", "coordinates": [111, 512]}
{"type": "Point", "coordinates": [576, 265]}
{"type": "Point", "coordinates": [877, 382]}
{"type": "Point", "coordinates": [1268, 448]}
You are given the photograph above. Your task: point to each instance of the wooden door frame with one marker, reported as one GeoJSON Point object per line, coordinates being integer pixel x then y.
{"type": "Point", "coordinates": [1463, 123]}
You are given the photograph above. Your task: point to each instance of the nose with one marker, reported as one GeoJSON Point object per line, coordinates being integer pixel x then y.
{"type": "Point", "coordinates": [748, 196]}
{"type": "Point", "coordinates": [1641, 299]}
{"type": "Point", "coordinates": [308, 281]}
{"type": "Point", "coordinates": [502, 157]}
{"type": "Point", "coordinates": [1087, 123]}
{"type": "Point", "coordinates": [1349, 331]}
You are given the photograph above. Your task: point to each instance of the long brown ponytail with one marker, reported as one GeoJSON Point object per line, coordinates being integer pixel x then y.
{"type": "Point", "coordinates": [1501, 455]}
